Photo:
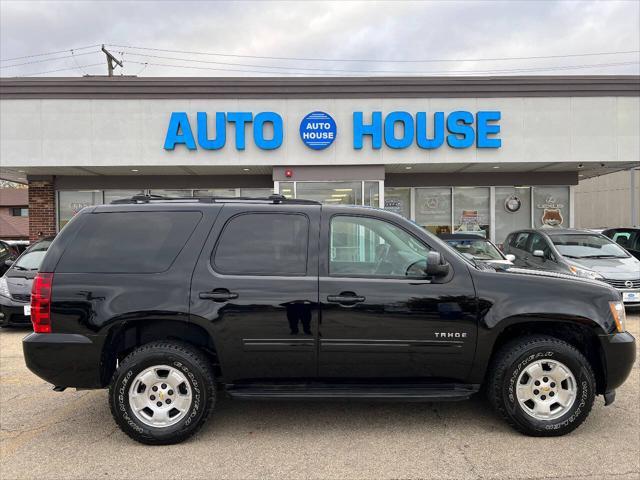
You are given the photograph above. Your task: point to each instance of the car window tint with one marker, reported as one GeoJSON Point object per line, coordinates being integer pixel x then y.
{"type": "Point", "coordinates": [538, 243]}
{"type": "Point", "coordinates": [263, 244]}
{"type": "Point", "coordinates": [361, 246]}
{"type": "Point", "coordinates": [128, 242]}
{"type": "Point", "coordinates": [622, 238]}
{"type": "Point", "coordinates": [520, 240]}
{"type": "Point", "coordinates": [3, 250]}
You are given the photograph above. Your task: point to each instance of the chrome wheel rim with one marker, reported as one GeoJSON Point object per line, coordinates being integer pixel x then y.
{"type": "Point", "coordinates": [160, 396]}
{"type": "Point", "coordinates": [546, 389]}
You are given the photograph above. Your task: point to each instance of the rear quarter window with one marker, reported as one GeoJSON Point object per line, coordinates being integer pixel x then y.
{"type": "Point", "coordinates": [128, 242]}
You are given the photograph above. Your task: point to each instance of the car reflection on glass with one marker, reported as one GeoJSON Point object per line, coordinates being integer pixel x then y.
{"type": "Point", "coordinates": [479, 249]}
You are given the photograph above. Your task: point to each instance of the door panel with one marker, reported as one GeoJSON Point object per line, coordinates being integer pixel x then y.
{"type": "Point", "coordinates": [264, 323]}
{"type": "Point", "coordinates": [376, 326]}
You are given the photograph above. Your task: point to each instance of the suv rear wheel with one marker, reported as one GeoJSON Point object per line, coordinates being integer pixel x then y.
{"type": "Point", "coordinates": [162, 393]}
{"type": "Point", "coordinates": [541, 386]}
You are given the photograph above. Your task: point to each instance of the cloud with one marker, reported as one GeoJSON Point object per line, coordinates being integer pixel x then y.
{"type": "Point", "coordinates": [344, 30]}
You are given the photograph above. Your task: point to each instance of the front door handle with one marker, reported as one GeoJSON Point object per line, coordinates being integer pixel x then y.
{"type": "Point", "coordinates": [218, 295]}
{"type": "Point", "coordinates": [346, 298]}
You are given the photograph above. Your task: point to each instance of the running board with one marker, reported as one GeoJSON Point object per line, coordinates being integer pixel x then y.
{"type": "Point", "coordinates": [310, 391]}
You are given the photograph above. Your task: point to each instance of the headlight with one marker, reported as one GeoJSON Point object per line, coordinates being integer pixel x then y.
{"type": "Point", "coordinates": [619, 315]}
{"type": "Point", "coordinates": [584, 273]}
{"type": "Point", "coordinates": [4, 288]}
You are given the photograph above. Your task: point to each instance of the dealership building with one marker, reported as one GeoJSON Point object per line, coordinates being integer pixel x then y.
{"type": "Point", "coordinates": [454, 154]}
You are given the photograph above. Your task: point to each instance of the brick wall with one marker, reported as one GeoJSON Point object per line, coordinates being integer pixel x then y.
{"type": "Point", "coordinates": [42, 209]}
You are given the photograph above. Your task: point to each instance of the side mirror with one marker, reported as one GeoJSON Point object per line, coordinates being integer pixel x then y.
{"type": "Point", "coordinates": [8, 262]}
{"type": "Point", "coordinates": [511, 257]}
{"type": "Point", "coordinates": [436, 266]}
{"type": "Point", "coordinates": [538, 253]}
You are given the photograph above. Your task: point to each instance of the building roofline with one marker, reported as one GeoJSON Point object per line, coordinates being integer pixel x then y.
{"type": "Point", "coordinates": [126, 87]}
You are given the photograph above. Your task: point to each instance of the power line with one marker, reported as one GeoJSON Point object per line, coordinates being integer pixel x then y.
{"type": "Point", "coordinates": [447, 73]}
{"type": "Point", "coordinates": [49, 53]}
{"type": "Point", "coordinates": [47, 59]}
{"type": "Point", "coordinates": [59, 70]}
{"type": "Point", "coordinates": [290, 69]}
{"type": "Point", "coordinates": [372, 60]}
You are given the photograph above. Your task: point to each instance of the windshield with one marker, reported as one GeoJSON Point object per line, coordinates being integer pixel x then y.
{"type": "Point", "coordinates": [479, 249]}
{"type": "Point", "coordinates": [587, 246]}
{"type": "Point", "coordinates": [32, 257]}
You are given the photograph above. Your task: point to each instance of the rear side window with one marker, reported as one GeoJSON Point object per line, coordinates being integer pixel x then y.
{"type": "Point", "coordinates": [263, 244]}
{"type": "Point", "coordinates": [128, 242]}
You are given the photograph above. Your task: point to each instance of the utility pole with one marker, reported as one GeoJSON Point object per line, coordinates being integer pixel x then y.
{"type": "Point", "coordinates": [110, 60]}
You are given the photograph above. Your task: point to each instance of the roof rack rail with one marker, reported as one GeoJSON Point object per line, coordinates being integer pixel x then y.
{"type": "Point", "coordinates": [275, 199]}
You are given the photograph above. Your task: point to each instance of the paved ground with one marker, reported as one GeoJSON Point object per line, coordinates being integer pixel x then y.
{"type": "Point", "coordinates": [71, 435]}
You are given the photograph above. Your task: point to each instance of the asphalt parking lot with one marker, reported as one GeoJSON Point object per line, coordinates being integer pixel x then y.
{"type": "Point", "coordinates": [45, 435]}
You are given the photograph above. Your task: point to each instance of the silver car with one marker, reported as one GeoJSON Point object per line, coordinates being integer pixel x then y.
{"type": "Point", "coordinates": [578, 252]}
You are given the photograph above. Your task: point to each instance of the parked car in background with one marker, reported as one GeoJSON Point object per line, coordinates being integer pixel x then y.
{"type": "Point", "coordinates": [579, 252]}
{"type": "Point", "coordinates": [478, 248]}
{"type": "Point", "coordinates": [627, 238]}
{"type": "Point", "coordinates": [8, 253]}
{"type": "Point", "coordinates": [15, 285]}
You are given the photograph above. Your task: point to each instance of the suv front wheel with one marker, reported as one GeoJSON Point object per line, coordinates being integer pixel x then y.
{"type": "Point", "coordinates": [541, 386]}
{"type": "Point", "coordinates": [162, 393]}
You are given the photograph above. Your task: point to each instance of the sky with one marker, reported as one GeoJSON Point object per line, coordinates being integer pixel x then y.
{"type": "Point", "coordinates": [346, 38]}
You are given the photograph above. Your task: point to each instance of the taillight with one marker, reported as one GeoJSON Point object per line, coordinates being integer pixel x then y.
{"type": "Point", "coordinates": [41, 302]}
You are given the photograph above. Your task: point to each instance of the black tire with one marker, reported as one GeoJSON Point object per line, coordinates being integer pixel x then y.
{"type": "Point", "coordinates": [506, 368]}
{"type": "Point", "coordinates": [197, 370]}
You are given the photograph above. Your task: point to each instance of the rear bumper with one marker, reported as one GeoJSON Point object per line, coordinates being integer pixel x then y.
{"type": "Point", "coordinates": [619, 352]}
{"type": "Point", "coordinates": [64, 360]}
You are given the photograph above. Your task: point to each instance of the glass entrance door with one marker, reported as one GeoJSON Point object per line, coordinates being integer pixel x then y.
{"type": "Point", "coordinates": [334, 193]}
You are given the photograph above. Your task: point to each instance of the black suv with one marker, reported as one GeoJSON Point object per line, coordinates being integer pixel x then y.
{"type": "Point", "coordinates": [169, 302]}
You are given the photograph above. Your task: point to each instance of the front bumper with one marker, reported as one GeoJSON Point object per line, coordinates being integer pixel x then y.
{"type": "Point", "coordinates": [619, 354]}
{"type": "Point", "coordinates": [12, 312]}
{"type": "Point", "coordinates": [64, 360]}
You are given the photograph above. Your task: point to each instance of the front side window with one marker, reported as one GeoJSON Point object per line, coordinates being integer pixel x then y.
{"type": "Point", "coordinates": [519, 240]}
{"type": "Point", "coordinates": [365, 247]}
{"type": "Point", "coordinates": [587, 246]}
{"type": "Point", "coordinates": [263, 244]}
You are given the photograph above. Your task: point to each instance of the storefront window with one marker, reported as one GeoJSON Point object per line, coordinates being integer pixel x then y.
{"type": "Point", "coordinates": [371, 194]}
{"type": "Point", "coordinates": [551, 207]}
{"type": "Point", "coordinates": [256, 192]}
{"type": "Point", "coordinates": [215, 192]}
{"type": "Point", "coordinates": [346, 193]}
{"type": "Point", "coordinates": [172, 193]}
{"type": "Point", "coordinates": [286, 189]}
{"type": "Point", "coordinates": [513, 210]}
{"type": "Point", "coordinates": [111, 195]}
{"type": "Point", "coordinates": [433, 209]}
{"type": "Point", "coordinates": [70, 203]}
{"type": "Point", "coordinates": [398, 200]}
{"type": "Point", "coordinates": [471, 210]}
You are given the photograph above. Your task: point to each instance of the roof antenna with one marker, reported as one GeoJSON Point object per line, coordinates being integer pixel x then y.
{"type": "Point", "coordinates": [110, 60]}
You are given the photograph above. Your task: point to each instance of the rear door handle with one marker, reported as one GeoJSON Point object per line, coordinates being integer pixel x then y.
{"type": "Point", "coordinates": [346, 298]}
{"type": "Point", "coordinates": [218, 295]}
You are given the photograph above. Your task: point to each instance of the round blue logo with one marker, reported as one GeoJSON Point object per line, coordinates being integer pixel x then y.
{"type": "Point", "coordinates": [318, 130]}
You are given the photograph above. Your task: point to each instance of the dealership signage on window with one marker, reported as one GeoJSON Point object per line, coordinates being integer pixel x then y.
{"type": "Point", "coordinates": [318, 130]}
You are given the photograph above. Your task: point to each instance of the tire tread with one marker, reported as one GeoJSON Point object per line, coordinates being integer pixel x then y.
{"type": "Point", "coordinates": [505, 357]}
{"type": "Point", "coordinates": [199, 360]}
